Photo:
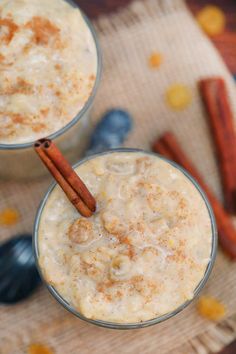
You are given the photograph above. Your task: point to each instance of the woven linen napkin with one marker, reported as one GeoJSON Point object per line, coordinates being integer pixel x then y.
{"type": "Point", "coordinates": [127, 39]}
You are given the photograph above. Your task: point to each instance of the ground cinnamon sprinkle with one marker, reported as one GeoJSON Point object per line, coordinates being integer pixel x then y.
{"type": "Point", "coordinates": [108, 297]}
{"type": "Point", "coordinates": [44, 111]}
{"type": "Point", "coordinates": [43, 30]}
{"type": "Point", "coordinates": [92, 77]}
{"type": "Point", "coordinates": [27, 48]}
{"type": "Point", "coordinates": [2, 58]}
{"type": "Point", "coordinates": [26, 120]}
{"type": "Point", "coordinates": [131, 252]}
{"type": "Point", "coordinates": [178, 257]}
{"type": "Point", "coordinates": [12, 28]}
{"type": "Point", "coordinates": [58, 67]}
{"type": "Point", "coordinates": [17, 118]}
{"type": "Point", "coordinates": [9, 217]}
{"type": "Point", "coordinates": [58, 93]}
{"type": "Point", "coordinates": [21, 86]}
{"type": "Point", "coordinates": [103, 286]}
{"type": "Point", "coordinates": [38, 127]}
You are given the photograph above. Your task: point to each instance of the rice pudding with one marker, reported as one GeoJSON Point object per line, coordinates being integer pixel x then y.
{"type": "Point", "coordinates": [144, 251]}
{"type": "Point", "coordinates": [48, 63]}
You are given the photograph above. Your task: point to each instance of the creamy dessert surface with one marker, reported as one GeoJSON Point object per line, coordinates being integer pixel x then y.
{"type": "Point", "coordinates": [48, 65]}
{"type": "Point", "coordinates": [142, 253]}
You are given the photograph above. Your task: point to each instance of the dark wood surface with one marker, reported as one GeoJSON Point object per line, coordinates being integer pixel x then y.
{"type": "Point", "coordinates": [226, 43]}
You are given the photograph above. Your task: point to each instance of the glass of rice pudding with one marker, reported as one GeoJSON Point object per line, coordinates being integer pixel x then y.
{"type": "Point", "coordinates": [50, 68]}
{"type": "Point", "coordinates": [145, 253]}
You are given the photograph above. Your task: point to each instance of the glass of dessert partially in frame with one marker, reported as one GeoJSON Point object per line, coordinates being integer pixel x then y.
{"type": "Point", "coordinates": [50, 68]}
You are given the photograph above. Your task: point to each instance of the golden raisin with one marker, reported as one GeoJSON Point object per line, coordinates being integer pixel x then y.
{"type": "Point", "coordinates": [81, 231]}
{"type": "Point", "coordinates": [9, 216]}
{"type": "Point", "coordinates": [178, 96]}
{"type": "Point", "coordinates": [211, 308]}
{"type": "Point", "coordinates": [212, 20]}
{"type": "Point", "coordinates": [39, 349]}
{"type": "Point", "coordinates": [155, 60]}
{"type": "Point", "coordinates": [120, 267]}
{"type": "Point", "coordinates": [171, 242]}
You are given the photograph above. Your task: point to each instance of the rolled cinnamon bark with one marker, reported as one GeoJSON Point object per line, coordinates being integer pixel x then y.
{"type": "Point", "coordinates": [69, 181]}
{"type": "Point", "coordinates": [220, 117]}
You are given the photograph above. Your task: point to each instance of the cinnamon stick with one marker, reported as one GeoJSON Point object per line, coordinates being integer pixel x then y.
{"type": "Point", "coordinates": [215, 98]}
{"type": "Point", "coordinates": [71, 184]}
{"type": "Point", "coordinates": [69, 174]}
{"type": "Point", "coordinates": [168, 146]}
{"type": "Point", "coordinates": [161, 149]}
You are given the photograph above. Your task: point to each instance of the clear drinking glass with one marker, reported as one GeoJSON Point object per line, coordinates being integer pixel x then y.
{"type": "Point", "coordinates": [19, 161]}
{"type": "Point", "coordinates": [153, 321]}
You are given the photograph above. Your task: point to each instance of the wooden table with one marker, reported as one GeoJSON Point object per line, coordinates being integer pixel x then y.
{"type": "Point", "coordinates": [226, 44]}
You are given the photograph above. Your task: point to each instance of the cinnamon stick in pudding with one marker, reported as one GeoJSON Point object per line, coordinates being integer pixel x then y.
{"type": "Point", "coordinates": [69, 174]}
{"type": "Point", "coordinates": [168, 146]}
{"type": "Point", "coordinates": [215, 98]}
{"type": "Point", "coordinates": [69, 181]}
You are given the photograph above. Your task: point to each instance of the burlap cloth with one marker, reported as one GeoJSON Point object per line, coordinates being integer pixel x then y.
{"type": "Point", "coordinates": [127, 39]}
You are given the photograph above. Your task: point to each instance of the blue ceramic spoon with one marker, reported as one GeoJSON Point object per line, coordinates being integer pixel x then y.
{"type": "Point", "coordinates": [18, 273]}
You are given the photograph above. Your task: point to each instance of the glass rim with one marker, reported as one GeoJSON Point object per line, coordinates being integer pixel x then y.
{"type": "Point", "coordinates": [87, 104]}
{"type": "Point", "coordinates": [158, 319]}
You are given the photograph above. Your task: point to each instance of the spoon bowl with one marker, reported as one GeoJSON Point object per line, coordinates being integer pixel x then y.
{"type": "Point", "coordinates": [18, 273]}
